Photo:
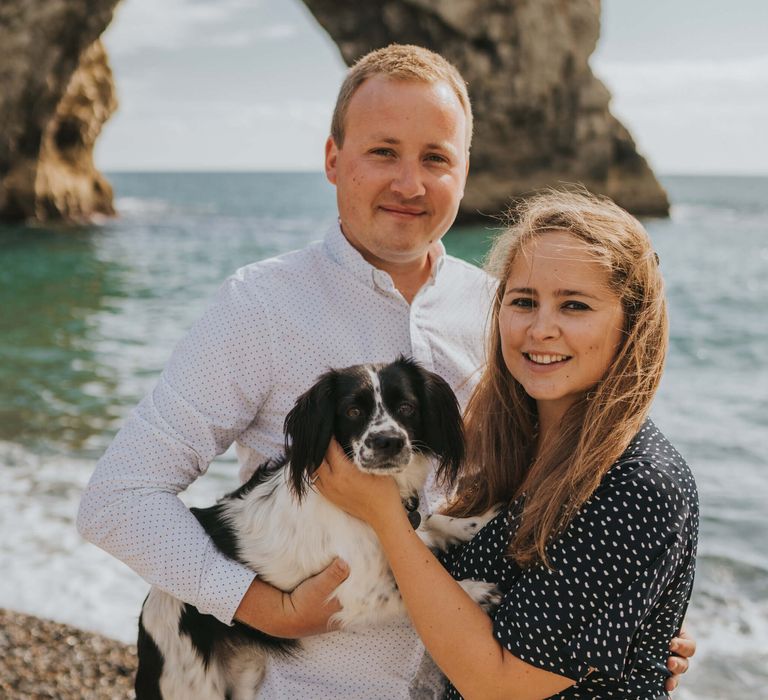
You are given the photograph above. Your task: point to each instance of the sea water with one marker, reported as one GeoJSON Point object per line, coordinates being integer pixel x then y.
{"type": "Point", "coordinates": [89, 316]}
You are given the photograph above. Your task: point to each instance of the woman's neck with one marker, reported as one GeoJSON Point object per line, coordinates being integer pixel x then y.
{"type": "Point", "coordinates": [550, 415]}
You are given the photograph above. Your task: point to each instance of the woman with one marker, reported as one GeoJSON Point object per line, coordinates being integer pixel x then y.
{"type": "Point", "coordinates": [593, 551]}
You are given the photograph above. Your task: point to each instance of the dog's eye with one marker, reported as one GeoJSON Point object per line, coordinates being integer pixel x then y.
{"type": "Point", "coordinates": [353, 412]}
{"type": "Point", "coordinates": [406, 409]}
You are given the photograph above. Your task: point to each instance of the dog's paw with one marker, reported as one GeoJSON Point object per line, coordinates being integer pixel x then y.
{"type": "Point", "coordinates": [484, 518]}
{"type": "Point", "coordinates": [444, 530]}
{"type": "Point", "coordinates": [486, 595]}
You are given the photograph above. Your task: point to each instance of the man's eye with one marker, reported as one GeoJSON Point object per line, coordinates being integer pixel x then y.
{"type": "Point", "coordinates": [383, 152]}
{"type": "Point", "coordinates": [437, 158]}
{"type": "Point", "coordinates": [353, 412]}
{"type": "Point", "coordinates": [406, 409]}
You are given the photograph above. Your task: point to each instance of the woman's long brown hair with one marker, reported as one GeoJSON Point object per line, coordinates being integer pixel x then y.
{"type": "Point", "coordinates": [501, 419]}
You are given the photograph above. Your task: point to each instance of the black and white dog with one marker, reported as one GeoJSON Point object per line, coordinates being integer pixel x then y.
{"type": "Point", "coordinates": [390, 419]}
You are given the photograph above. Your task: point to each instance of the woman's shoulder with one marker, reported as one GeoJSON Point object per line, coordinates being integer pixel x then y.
{"type": "Point", "coordinates": [651, 465]}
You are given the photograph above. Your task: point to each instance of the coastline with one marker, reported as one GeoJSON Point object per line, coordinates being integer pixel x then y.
{"type": "Point", "coordinates": [45, 659]}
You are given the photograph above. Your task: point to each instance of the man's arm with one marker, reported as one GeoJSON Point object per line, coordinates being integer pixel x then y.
{"type": "Point", "coordinates": [208, 394]}
{"type": "Point", "coordinates": [303, 612]}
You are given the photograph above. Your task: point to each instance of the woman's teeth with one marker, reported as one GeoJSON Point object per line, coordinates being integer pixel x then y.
{"type": "Point", "coordinates": [545, 359]}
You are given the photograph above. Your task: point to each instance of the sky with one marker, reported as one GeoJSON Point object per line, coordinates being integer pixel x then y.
{"type": "Point", "coordinates": [250, 84]}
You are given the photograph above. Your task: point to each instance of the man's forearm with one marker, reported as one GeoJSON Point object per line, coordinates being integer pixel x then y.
{"type": "Point", "coordinates": [263, 608]}
{"type": "Point", "coordinates": [299, 613]}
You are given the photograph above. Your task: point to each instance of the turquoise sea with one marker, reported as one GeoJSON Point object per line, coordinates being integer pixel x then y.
{"type": "Point", "coordinates": [88, 317]}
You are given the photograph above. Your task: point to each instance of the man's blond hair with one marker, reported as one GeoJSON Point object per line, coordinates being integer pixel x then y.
{"type": "Point", "coordinates": [399, 62]}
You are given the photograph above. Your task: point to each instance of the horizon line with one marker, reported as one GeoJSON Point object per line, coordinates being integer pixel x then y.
{"type": "Point", "coordinates": [267, 171]}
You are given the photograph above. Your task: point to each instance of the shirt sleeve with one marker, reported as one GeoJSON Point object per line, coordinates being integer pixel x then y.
{"type": "Point", "coordinates": [608, 569]}
{"type": "Point", "coordinates": [210, 391]}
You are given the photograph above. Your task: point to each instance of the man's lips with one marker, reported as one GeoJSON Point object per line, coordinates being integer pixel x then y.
{"type": "Point", "coordinates": [399, 210]}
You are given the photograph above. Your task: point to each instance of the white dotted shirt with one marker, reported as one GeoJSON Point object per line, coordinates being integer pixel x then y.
{"type": "Point", "coordinates": [273, 328]}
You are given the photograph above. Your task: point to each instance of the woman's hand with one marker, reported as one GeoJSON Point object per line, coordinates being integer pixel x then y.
{"type": "Point", "coordinates": [368, 497]}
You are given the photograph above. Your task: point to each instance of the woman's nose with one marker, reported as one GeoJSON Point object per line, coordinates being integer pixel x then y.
{"type": "Point", "coordinates": [543, 324]}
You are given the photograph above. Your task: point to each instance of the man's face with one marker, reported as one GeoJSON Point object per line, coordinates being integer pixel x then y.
{"type": "Point", "coordinates": [401, 171]}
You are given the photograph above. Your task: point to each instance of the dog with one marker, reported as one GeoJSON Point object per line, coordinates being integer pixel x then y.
{"type": "Point", "coordinates": [390, 419]}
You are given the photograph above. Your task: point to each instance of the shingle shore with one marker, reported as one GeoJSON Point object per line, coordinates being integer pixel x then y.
{"type": "Point", "coordinates": [44, 659]}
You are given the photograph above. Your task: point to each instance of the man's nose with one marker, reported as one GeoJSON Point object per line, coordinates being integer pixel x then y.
{"type": "Point", "coordinates": [408, 182]}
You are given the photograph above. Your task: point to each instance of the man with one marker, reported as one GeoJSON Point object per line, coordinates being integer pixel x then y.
{"type": "Point", "coordinates": [379, 285]}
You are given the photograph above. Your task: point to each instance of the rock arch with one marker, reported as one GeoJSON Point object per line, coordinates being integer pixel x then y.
{"type": "Point", "coordinates": [541, 117]}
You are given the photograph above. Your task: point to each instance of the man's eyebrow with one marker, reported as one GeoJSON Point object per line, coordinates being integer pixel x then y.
{"type": "Point", "coordinates": [432, 146]}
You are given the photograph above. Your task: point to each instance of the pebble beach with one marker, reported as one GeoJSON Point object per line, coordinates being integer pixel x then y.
{"type": "Point", "coordinates": [44, 659]}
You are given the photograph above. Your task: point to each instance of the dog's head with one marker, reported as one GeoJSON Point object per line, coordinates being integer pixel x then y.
{"type": "Point", "coordinates": [383, 416]}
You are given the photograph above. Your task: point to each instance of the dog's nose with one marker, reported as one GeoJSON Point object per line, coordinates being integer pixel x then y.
{"type": "Point", "coordinates": [387, 444]}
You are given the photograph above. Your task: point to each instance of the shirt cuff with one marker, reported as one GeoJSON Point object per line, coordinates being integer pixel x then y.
{"type": "Point", "coordinates": [222, 586]}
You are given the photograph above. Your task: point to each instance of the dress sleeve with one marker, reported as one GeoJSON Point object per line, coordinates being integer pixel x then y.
{"type": "Point", "coordinates": [608, 569]}
{"type": "Point", "coordinates": [207, 395]}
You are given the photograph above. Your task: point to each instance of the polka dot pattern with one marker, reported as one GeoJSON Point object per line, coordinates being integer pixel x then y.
{"type": "Point", "coordinates": [620, 581]}
{"type": "Point", "coordinates": [273, 328]}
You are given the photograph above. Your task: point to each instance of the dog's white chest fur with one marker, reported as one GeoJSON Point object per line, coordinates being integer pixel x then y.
{"type": "Point", "coordinates": [270, 521]}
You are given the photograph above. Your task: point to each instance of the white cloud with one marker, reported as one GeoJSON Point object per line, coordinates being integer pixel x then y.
{"type": "Point", "coordinates": [676, 77]}
{"type": "Point", "coordinates": [237, 38]}
{"type": "Point", "coordinates": [174, 24]}
{"type": "Point", "coordinates": [694, 116]}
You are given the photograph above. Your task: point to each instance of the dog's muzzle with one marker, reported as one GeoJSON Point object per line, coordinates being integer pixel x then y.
{"type": "Point", "coordinates": [388, 450]}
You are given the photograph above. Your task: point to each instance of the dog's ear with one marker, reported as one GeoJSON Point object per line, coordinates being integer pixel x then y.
{"type": "Point", "coordinates": [308, 431]}
{"type": "Point", "coordinates": [441, 418]}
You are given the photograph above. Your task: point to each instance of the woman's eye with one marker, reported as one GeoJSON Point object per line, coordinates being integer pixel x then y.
{"type": "Point", "coordinates": [406, 409]}
{"type": "Point", "coordinates": [576, 306]}
{"type": "Point", "coordinates": [353, 412]}
{"type": "Point", "coordinates": [522, 302]}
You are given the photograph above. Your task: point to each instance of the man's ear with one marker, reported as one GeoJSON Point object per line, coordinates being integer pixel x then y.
{"type": "Point", "coordinates": [331, 153]}
{"type": "Point", "coordinates": [466, 175]}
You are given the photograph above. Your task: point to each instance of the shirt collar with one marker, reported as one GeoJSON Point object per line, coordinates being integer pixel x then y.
{"type": "Point", "coordinates": [341, 251]}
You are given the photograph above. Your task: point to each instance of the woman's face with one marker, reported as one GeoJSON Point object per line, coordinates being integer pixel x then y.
{"type": "Point", "coordinates": [559, 320]}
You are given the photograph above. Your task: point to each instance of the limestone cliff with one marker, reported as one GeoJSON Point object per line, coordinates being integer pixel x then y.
{"type": "Point", "coordinates": [541, 116]}
{"type": "Point", "coordinates": [56, 92]}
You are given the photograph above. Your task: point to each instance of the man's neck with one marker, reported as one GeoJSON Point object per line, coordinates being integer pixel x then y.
{"type": "Point", "coordinates": [408, 280]}
{"type": "Point", "coordinates": [408, 277]}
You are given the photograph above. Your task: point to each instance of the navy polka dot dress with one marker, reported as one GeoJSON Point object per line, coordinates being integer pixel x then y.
{"type": "Point", "coordinates": [620, 582]}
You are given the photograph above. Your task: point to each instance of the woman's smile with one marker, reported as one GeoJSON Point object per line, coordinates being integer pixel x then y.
{"type": "Point", "coordinates": [560, 321]}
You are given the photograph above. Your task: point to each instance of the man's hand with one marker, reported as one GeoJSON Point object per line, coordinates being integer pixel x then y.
{"type": "Point", "coordinates": [301, 613]}
{"type": "Point", "coordinates": [683, 648]}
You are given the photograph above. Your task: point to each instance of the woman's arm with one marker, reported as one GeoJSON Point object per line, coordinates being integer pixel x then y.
{"type": "Point", "coordinates": [456, 631]}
